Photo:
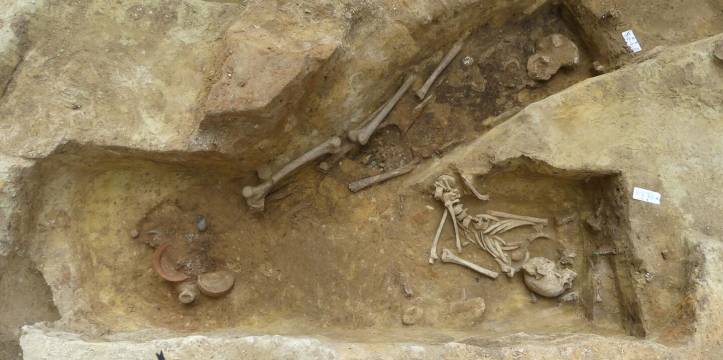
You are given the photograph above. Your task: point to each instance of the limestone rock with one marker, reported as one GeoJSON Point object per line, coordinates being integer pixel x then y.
{"type": "Point", "coordinates": [269, 62]}
{"type": "Point", "coordinates": [718, 51]}
{"type": "Point", "coordinates": [552, 52]}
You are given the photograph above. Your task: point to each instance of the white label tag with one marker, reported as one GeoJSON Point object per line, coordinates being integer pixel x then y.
{"type": "Point", "coordinates": [646, 195]}
{"type": "Point", "coordinates": [631, 41]}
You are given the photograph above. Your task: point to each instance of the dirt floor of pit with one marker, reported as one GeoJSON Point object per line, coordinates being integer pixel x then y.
{"type": "Point", "coordinates": [320, 259]}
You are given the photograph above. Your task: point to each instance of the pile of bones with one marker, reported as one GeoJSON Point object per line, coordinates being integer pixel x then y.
{"type": "Point", "coordinates": [542, 276]}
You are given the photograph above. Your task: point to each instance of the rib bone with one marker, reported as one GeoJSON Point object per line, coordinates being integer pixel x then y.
{"type": "Point", "coordinates": [433, 252]}
{"type": "Point", "coordinates": [448, 257]}
{"type": "Point", "coordinates": [517, 217]}
{"type": "Point", "coordinates": [255, 195]}
{"type": "Point", "coordinates": [362, 135]}
{"type": "Point", "coordinates": [451, 54]}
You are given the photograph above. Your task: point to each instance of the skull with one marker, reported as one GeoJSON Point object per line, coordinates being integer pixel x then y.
{"type": "Point", "coordinates": [545, 278]}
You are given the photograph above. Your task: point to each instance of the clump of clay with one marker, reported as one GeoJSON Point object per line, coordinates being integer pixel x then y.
{"type": "Point", "coordinates": [216, 283]}
{"type": "Point", "coordinates": [551, 53]}
{"type": "Point", "coordinates": [471, 309]}
{"type": "Point", "coordinates": [545, 278]}
{"type": "Point", "coordinates": [411, 315]}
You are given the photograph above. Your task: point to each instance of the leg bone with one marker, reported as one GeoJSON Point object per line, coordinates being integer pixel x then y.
{"type": "Point", "coordinates": [363, 134]}
{"type": "Point", "coordinates": [255, 195]}
{"type": "Point", "coordinates": [458, 242]}
{"type": "Point", "coordinates": [433, 252]}
{"type": "Point", "coordinates": [451, 54]}
{"type": "Point", "coordinates": [448, 257]}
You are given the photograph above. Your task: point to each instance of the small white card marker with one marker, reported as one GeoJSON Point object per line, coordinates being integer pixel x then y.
{"type": "Point", "coordinates": [631, 41]}
{"type": "Point", "coordinates": [646, 195]}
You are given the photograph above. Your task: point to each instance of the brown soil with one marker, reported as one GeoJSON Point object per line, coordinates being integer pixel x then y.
{"type": "Point", "coordinates": [296, 265]}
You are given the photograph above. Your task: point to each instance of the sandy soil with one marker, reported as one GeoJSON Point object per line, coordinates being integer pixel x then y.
{"type": "Point", "coordinates": [106, 105]}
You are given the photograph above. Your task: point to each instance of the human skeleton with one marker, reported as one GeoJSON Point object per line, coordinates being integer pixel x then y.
{"type": "Point", "coordinates": [481, 229]}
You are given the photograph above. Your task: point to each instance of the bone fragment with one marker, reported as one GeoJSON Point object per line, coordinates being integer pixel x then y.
{"type": "Point", "coordinates": [451, 54]}
{"type": "Point", "coordinates": [467, 180]}
{"type": "Point", "coordinates": [433, 252]}
{"type": "Point", "coordinates": [517, 217]}
{"type": "Point", "coordinates": [419, 107]}
{"type": "Point", "coordinates": [362, 135]}
{"type": "Point", "coordinates": [369, 181]}
{"type": "Point", "coordinates": [448, 257]}
{"type": "Point", "coordinates": [255, 195]}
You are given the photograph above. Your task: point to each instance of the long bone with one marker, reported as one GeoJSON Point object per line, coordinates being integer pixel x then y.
{"type": "Point", "coordinates": [369, 181]}
{"type": "Point", "coordinates": [458, 242]}
{"type": "Point", "coordinates": [451, 54]}
{"type": "Point", "coordinates": [433, 252]}
{"type": "Point", "coordinates": [256, 195]}
{"type": "Point", "coordinates": [362, 134]}
{"type": "Point", "coordinates": [448, 257]}
{"type": "Point", "coordinates": [449, 198]}
{"type": "Point", "coordinates": [348, 147]}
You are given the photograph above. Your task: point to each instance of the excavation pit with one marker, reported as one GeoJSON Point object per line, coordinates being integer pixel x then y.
{"type": "Point", "coordinates": [103, 166]}
{"type": "Point", "coordinates": [320, 260]}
